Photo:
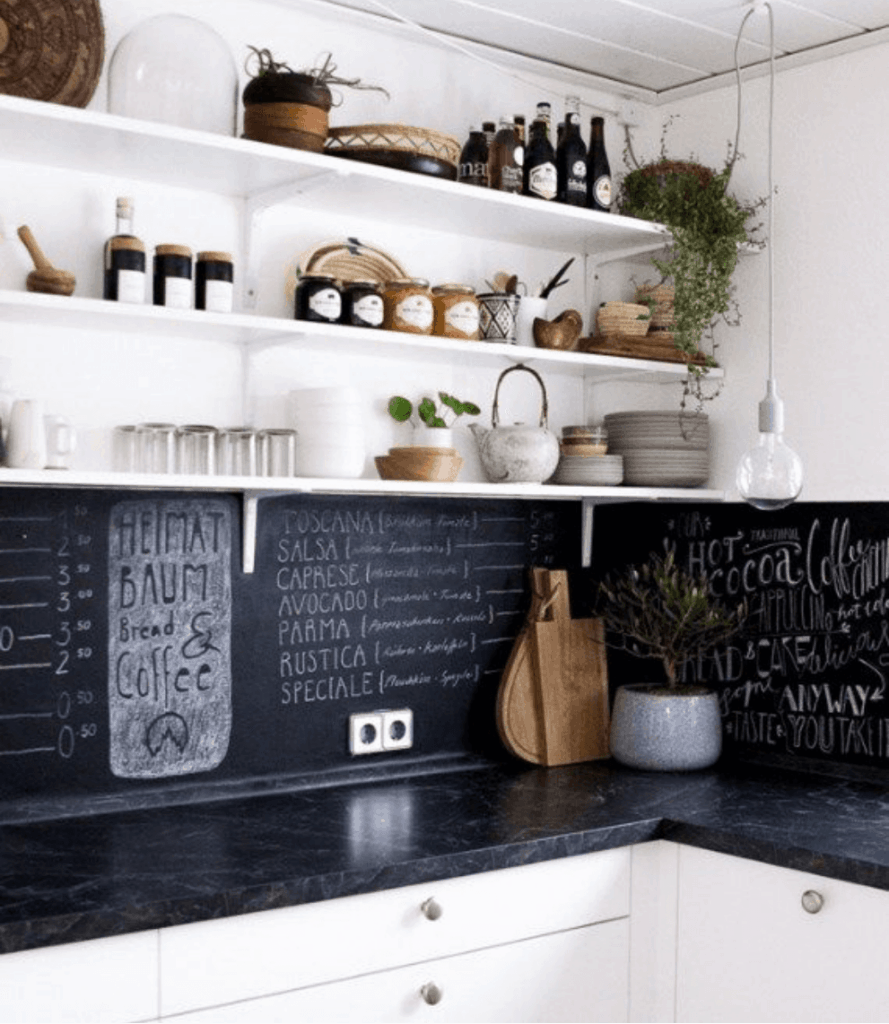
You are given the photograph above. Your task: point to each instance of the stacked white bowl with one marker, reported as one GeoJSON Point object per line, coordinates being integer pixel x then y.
{"type": "Point", "coordinates": [661, 449]}
{"type": "Point", "coordinates": [330, 426]}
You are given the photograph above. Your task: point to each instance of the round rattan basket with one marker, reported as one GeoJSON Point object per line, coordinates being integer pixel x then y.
{"type": "Point", "coordinates": [622, 319]}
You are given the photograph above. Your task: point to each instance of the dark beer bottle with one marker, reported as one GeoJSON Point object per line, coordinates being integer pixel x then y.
{"type": "Point", "coordinates": [571, 156]}
{"type": "Point", "coordinates": [504, 159]}
{"type": "Point", "coordinates": [598, 171]}
{"type": "Point", "coordinates": [473, 169]}
{"type": "Point", "coordinates": [540, 159]}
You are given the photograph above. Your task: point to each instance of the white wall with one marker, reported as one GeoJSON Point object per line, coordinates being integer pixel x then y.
{"type": "Point", "coordinates": [830, 159]}
{"type": "Point", "coordinates": [831, 260]}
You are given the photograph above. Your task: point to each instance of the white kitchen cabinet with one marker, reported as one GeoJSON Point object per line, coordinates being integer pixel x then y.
{"type": "Point", "coordinates": [385, 946]}
{"type": "Point", "coordinates": [748, 950]}
{"type": "Point", "coordinates": [577, 975]}
{"type": "Point", "coordinates": [113, 979]}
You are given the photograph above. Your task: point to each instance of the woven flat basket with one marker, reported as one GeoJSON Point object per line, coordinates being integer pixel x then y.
{"type": "Point", "coordinates": [350, 260]}
{"type": "Point", "coordinates": [399, 138]}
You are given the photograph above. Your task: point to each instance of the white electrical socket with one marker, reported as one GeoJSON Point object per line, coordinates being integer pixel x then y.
{"type": "Point", "coordinates": [398, 729]}
{"type": "Point", "coordinates": [373, 732]}
{"type": "Point", "coordinates": [366, 733]}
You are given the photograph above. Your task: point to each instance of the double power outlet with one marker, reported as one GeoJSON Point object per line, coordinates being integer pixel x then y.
{"type": "Point", "coordinates": [375, 732]}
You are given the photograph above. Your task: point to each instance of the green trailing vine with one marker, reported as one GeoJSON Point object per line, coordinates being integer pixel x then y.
{"type": "Point", "coordinates": [708, 226]}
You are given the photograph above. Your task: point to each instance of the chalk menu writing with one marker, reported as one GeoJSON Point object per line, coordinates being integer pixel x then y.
{"type": "Point", "coordinates": [379, 604]}
{"type": "Point", "coordinates": [169, 636]}
{"type": "Point", "coordinates": [50, 589]}
{"type": "Point", "coordinates": [808, 677]}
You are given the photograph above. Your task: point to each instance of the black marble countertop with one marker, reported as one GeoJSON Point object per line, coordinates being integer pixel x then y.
{"type": "Point", "coordinates": [108, 874]}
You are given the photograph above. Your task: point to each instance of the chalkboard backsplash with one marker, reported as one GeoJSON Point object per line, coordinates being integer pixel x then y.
{"type": "Point", "coordinates": [136, 657]}
{"type": "Point", "coordinates": [806, 683]}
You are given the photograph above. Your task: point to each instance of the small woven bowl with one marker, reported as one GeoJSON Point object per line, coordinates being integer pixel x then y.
{"type": "Point", "coordinates": [623, 318]}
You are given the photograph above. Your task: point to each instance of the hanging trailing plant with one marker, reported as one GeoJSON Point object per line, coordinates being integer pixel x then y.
{"type": "Point", "coordinates": [708, 227]}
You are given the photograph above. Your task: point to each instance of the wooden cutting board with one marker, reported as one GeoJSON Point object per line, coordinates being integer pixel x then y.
{"type": "Point", "coordinates": [552, 706]}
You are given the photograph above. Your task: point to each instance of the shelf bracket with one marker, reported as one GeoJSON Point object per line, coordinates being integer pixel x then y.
{"type": "Point", "coordinates": [249, 521]}
{"type": "Point", "coordinates": [256, 205]}
{"type": "Point", "coordinates": [588, 508]}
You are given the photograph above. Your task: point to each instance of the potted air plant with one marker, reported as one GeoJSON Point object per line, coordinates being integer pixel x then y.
{"type": "Point", "coordinates": [432, 421]}
{"type": "Point", "coordinates": [658, 610]}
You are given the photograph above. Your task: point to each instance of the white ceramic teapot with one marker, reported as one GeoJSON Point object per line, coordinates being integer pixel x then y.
{"type": "Point", "coordinates": [520, 453]}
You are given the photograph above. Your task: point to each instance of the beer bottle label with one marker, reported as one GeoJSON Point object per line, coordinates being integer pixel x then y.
{"type": "Point", "coordinates": [542, 181]}
{"type": "Point", "coordinates": [602, 190]}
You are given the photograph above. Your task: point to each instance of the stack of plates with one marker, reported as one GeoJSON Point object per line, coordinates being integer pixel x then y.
{"type": "Point", "coordinates": [661, 449]}
{"type": "Point", "coordinates": [589, 471]}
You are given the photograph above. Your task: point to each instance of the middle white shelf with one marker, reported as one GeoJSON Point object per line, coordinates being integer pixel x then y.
{"type": "Point", "coordinates": [255, 333]}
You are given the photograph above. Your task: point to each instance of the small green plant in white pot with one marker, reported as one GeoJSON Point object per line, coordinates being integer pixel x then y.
{"type": "Point", "coordinates": [661, 611]}
{"type": "Point", "coordinates": [432, 421]}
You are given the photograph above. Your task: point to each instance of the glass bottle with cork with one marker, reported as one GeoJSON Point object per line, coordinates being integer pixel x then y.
{"type": "Point", "coordinates": [598, 173]}
{"type": "Point", "coordinates": [571, 158]}
{"type": "Point", "coordinates": [124, 259]}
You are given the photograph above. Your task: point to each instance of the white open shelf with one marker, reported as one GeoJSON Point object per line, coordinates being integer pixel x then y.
{"type": "Point", "coordinates": [86, 141]}
{"type": "Point", "coordinates": [259, 332]}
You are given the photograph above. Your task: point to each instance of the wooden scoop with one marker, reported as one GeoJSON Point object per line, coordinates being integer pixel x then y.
{"type": "Point", "coordinates": [45, 277]}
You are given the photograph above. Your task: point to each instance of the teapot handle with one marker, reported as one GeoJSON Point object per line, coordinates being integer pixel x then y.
{"type": "Point", "coordinates": [544, 406]}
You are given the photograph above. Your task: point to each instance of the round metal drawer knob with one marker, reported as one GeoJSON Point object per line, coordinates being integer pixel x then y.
{"type": "Point", "coordinates": [431, 909]}
{"type": "Point", "coordinates": [812, 901]}
{"type": "Point", "coordinates": [431, 993]}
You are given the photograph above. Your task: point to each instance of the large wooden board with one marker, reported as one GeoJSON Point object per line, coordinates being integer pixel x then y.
{"type": "Point", "coordinates": [552, 705]}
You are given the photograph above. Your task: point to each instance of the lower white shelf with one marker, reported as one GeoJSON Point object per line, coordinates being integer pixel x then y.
{"type": "Point", "coordinates": [322, 485]}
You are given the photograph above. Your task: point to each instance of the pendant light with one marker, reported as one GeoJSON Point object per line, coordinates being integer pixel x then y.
{"type": "Point", "coordinates": [770, 475]}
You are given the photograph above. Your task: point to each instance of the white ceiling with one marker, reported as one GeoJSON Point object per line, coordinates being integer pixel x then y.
{"type": "Point", "coordinates": [655, 47]}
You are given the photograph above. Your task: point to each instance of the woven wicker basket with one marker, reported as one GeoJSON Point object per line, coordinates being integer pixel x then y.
{"type": "Point", "coordinates": [662, 295]}
{"type": "Point", "coordinates": [623, 319]}
{"type": "Point", "coordinates": [368, 140]}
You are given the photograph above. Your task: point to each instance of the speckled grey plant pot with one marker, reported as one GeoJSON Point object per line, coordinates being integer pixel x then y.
{"type": "Point", "coordinates": [658, 730]}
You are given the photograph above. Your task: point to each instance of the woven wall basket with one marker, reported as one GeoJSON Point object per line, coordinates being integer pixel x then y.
{"type": "Point", "coordinates": [51, 50]}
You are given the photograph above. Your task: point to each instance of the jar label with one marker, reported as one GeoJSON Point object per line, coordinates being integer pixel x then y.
{"type": "Point", "coordinates": [542, 181]}
{"type": "Point", "coordinates": [178, 293]}
{"type": "Point", "coordinates": [602, 190]}
{"type": "Point", "coordinates": [415, 311]}
{"type": "Point", "coordinates": [463, 317]}
{"type": "Point", "coordinates": [326, 303]}
{"type": "Point", "coordinates": [369, 309]}
{"type": "Point", "coordinates": [131, 286]}
{"type": "Point", "coordinates": [218, 296]}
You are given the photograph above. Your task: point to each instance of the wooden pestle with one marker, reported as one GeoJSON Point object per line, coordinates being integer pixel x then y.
{"type": "Point", "coordinates": [45, 277]}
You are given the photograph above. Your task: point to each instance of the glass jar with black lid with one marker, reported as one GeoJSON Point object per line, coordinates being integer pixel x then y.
{"type": "Point", "coordinates": [362, 304]}
{"type": "Point", "coordinates": [318, 299]}
{"type": "Point", "coordinates": [173, 285]}
{"type": "Point", "coordinates": [214, 282]}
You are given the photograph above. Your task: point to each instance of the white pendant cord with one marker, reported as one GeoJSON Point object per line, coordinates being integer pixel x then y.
{"type": "Point", "coordinates": [755, 8]}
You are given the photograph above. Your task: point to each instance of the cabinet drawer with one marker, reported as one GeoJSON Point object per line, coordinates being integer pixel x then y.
{"type": "Point", "coordinates": [579, 975]}
{"type": "Point", "coordinates": [749, 951]}
{"type": "Point", "coordinates": [243, 957]}
{"type": "Point", "coordinates": [101, 980]}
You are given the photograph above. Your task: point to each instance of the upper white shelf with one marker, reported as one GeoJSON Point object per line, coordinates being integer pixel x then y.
{"type": "Point", "coordinates": [259, 332]}
{"type": "Point", "coordinates": [91, 141]}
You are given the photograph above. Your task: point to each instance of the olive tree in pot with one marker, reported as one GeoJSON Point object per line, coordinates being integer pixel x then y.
{"type": "Point", "coordinates": [661, 611]}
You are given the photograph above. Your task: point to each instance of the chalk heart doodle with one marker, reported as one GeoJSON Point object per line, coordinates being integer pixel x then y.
{"type": "Point", "coordinates": [169, 626]}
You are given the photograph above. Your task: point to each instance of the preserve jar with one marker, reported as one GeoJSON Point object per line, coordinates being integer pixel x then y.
{"type": "Point", "coordinates": [172, 277]}
{"type": "Point", "coordinates": [456, 312]}
{"type": "Point", "coordinates": [407, 306]}
{"type": "Point", "coordinates": [362, 304]}
{"type": "Point", "coordinates": [214, 282]}
{"type": "Point", "coordinates": [318, 299]}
